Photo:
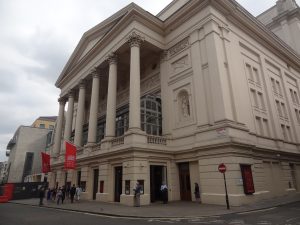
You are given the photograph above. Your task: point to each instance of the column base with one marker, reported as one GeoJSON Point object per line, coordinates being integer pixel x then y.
{"type": "Point", "coordinates": [135, 136]}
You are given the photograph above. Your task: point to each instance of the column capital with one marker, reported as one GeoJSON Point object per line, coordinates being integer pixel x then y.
{"type": "Point", "coordinates": [71, 93]}
{"type": "Point", "coordinates": [81, 83]}
{"type": "Point", "coordinates": [112, 58]}
{"type": "Point", "coordinates": [163, 56]}
{"type": "Point", "coordinates": [62, 100]}
{"type": "Point", "coordinates": [95, 73]}
{"type": "Point", "coordinates": [135, 40]}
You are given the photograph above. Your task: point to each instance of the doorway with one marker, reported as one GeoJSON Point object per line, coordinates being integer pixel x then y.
{"type": "Point", "coordinates": [95, 186]}
{"type": "Point", "coordinates": [157, 177]}
{"type": "Point", "coordinates": [118, 183]}
{"type": "Point", "coordinates": [185, 182]}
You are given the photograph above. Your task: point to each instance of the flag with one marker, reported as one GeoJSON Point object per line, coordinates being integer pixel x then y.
{"type": "Point", "coordinates": [45, 163]}
{"type": "Point", "coordinates": [70, 157]}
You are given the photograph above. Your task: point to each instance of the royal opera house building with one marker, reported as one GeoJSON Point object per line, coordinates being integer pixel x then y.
{"type": "Point", "coordinates": [167, 98]}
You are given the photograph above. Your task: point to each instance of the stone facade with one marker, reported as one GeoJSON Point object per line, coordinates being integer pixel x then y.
{"type": "Point", "coordinates": [166, 99]}
{"type": "Point", "coordinates": [25, 153]}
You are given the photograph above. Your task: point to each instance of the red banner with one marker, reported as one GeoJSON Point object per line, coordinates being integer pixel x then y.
{"type": "Point", "coordinates": [45, 163]}
{"type": "Point", "coordinates": [70, 157]}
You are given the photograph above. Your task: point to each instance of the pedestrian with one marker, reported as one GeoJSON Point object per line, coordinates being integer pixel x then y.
{"type": "Point", "coordinates": [68, 189]}
{"type": "Point", "coordinates": [59, 195]}
{"type": "Point", "coordinates": [78, 192]}
{"type": "Point", "coordinates": [164, 192]}
{"type": "Point", "coordinates": [63, 196]}
{"type": "Point", "coordinates": [54, 191]}
{"type": "Point", "coordinates": [137, 194]}
{"type": "Point", "coordinates": [41, 195]}
{"type": "Point", "coordinates": [48, 194]}
{"type": "Point", "coordinates": [72, 192]}
{"type": "Point", "coordinates": [197, 193]}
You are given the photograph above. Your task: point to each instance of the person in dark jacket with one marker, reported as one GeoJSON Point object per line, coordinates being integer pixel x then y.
{"type": "Point", "coordinates": [63, 190]}
{"type": "Point", "coordinates": [197, 193]}
{"type": "Point", "coordinates": [164, 192]}
{"type": "Point", "coordinates": [72, 192]}
{"type": "Point", "coordinates": [41, 195]}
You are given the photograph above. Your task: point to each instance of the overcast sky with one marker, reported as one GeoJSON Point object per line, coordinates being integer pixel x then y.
{"type": "Point", "coordinates": [36, 39]}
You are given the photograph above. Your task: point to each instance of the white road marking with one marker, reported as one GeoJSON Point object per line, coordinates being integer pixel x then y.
{"type": "Point", "coordinates": [256, 211]}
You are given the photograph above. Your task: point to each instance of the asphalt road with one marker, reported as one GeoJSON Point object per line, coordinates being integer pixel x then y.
{"type": "Point", "coordinates": [13, 214]}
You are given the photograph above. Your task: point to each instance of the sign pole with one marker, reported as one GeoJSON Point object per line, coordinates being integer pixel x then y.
{"type": "Point", "coordinates": [227, 200]}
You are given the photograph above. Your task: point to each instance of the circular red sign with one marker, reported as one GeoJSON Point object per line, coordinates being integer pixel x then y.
{"type": "Point", "coordinates": [222, 168]}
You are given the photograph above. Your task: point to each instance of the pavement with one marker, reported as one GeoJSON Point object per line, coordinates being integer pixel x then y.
{"type": "Point", "coordinates": [177, 209]}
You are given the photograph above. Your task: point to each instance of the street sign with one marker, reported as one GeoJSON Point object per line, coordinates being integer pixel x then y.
{"type": "Point", "coordinates": [222, 168]}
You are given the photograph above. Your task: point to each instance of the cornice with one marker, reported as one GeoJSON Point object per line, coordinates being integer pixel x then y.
{"type": "Point", "coordinates": [254, 28]}
{"type": "Point", "coordinates": [135, 14]}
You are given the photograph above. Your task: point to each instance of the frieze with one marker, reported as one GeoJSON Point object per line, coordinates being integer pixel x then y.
{"type": "Point", "coordinates": [179, 47]}
{"type": "Point", "coordinates": [149, 83]}
{"type": "Point", "coordinates": [180, 63]}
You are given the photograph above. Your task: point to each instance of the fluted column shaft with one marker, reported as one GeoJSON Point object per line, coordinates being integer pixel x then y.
{"type": "Point", "coordinates": [69, 119]}
{"type": "Point", "coordinates": [111, 97]}
{"type": "Point", "coordinates": [134, 96]}
{"type": "Point", "coordinates": [80, 114]}
{"type": "Point", "coordinates": [59, 124]}
{"type": "Point", "coordinates": [92, 133]}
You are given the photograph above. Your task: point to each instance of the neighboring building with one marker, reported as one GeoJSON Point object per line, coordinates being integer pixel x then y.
{"type": "Point", "coordinates": [25, 152]}
{"type": "Point", "coordinates": [284, 20]}
{"type": "Point", "coordinates": [3, 172]}
{"type": "Point", "coordinates": [168, 98]}
{"type": "Point", "coordinates": [47, 122]}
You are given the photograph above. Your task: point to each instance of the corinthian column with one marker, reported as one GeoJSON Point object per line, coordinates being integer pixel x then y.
{"type": "Point", "coordinates": [92, 134]}
{"type": "Point", "coordinates": [59, 124]}
{"type": "Point", "coordinates": [111, 96]}
{"type": "Point", "coordinates": [80, 114]}
{"type": "Point", "coordinates": [69, 119]}
{"type": "Point", "coordinates": [135, 41]}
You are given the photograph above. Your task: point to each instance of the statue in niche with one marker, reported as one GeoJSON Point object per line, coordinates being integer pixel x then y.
{"type": "Point", "coordinates": [185, 105]}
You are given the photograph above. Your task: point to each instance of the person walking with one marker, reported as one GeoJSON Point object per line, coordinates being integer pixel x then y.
{"type": "Point", "coordinates": [72, 193]}
{"type": "Point", "coordinates": [63, 196]}
{"type": "Point", "coordinates": [137, 194]}
{"type": "Point", "coordinates": [164, 192]}
{"type": "Point", "coordinates": [48, 194]}
{"type": "Point", "coordinates": [78, 192]}
{"type": "Point", "coordinates": [41, 195]}
{"type": "Point", "coordinates": [197, 193]}
{"type": "Point", "coordinates": [59, 195]}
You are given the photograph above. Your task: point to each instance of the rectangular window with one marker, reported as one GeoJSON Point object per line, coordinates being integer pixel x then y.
{"type": "Point", "coordinates": [247, 179]}
{"type": "Point", "coordinates": [266, 128]}
{"type": "Point", "coordinates": [254, 98]}
{"type": "Point", "coordinates": [101, 186]}
{"type": "Point", "coordinates": [278, 87]}
{"type": "Point", "coordinates": [261, 101]}
{"type": "Point", "coordinates": [256, 75]}
{"type": "Point", "coordinates": [249, 72]}
{"type": "Point", "coordinates": [296, 97]}
{"type": "Point", "coordinates": [42, 125]}
{"type": "Point", "coordinates": [297, 115]}
{"type": "Point", "coordinates": [289, 134]}
{"type": "Point", "coordinates": [283, 132]}
{"type": "Point", "coordinates": [259, 126]}
{"type": "Point", "coordinates": [273, 85]}
{"type": "Point", "coordinates": [28, 164]}
{"type": "Point", "coordinates": [292, 96]}
{"type": "Point", "coordinates": [284, 110]}
{"type": "Point", "coordinates": [278, 108]}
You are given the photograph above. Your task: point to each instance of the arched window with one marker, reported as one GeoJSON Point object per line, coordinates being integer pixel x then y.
{"type": "Point", "coordinates": [151, 118]}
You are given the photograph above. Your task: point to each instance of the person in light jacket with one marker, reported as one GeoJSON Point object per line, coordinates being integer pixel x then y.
{"type": "Point", "coordinates": [137, 194]}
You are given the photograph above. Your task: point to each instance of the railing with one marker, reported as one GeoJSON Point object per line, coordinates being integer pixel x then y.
{"type": "Point", "coordinates": [158, 140]}
{"type": "Point", "coordinates": [79, 150]}
{"type": "Point", "coordinates": [96, 147]}
{"type": "Point", "coordinates": [117, 141]}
